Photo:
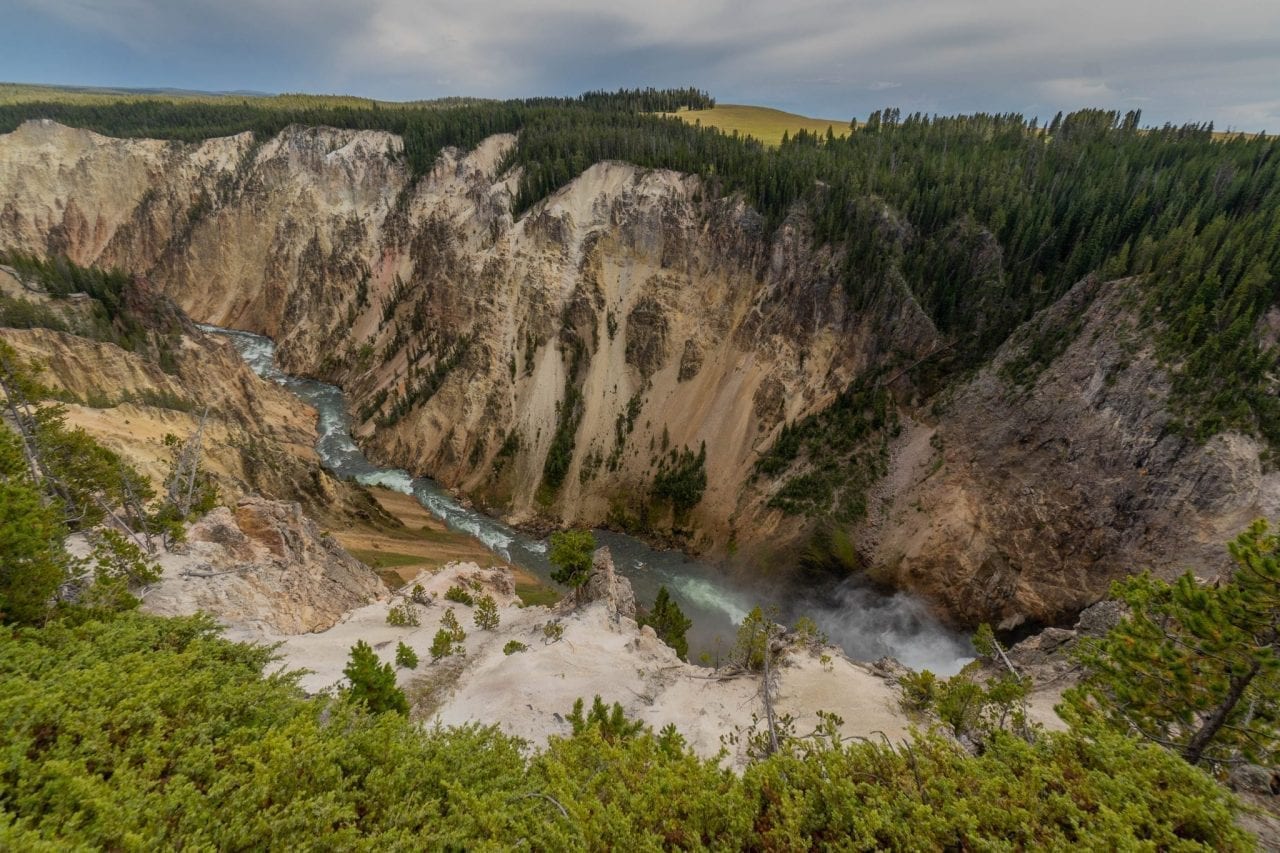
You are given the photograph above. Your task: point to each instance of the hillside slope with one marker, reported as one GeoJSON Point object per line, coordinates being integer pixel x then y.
{"type": "Point", "coordinates": [766, 124]}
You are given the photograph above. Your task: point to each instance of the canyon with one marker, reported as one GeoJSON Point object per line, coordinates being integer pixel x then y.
{"type": "Point", "coordinates": [626, 322]}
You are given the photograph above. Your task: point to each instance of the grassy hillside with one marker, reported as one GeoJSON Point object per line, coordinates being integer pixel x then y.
{"type": "Point", "coordinates": [763, 123]}
{"type": "Point", "coordinates": [27, 93]}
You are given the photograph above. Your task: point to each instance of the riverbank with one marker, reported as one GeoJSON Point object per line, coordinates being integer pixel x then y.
{"type": "Point", "coordinates": [425, 543]}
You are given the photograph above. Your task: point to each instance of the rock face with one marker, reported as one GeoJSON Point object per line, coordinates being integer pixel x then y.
{"type": "Point", "coordinates": [672, 317]}
{"type": "Point", "coordinates": [632, 315]}
{"type": "Point", "coordinates": [605, 584]}
{"type": "Point", "coordinates": [258, 437]}
{"type": "Point", "coordinates": [264, 565]}
{"type": "Point", "coordinates": [1024, 502]}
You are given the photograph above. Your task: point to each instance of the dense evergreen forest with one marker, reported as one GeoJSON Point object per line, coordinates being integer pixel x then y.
{"type": "Point", "coordinates": [984, 219]}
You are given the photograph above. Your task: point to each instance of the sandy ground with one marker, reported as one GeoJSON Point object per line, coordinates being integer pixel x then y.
{"type": "Point", "coordinates": [529, 693]}
{"type": "Point", "coordinates": [1042, 700]}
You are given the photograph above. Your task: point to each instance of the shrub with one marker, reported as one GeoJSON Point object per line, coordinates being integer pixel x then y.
{"type": "Point", "coordinates": [1195, 667]}
{"type": "Point", "coordinates": [403, 616]}
{"type": "Point", "coordinates": [682, 479]}
{"type": "Point", "coordinates": [612, 723]}
{"type": "Point", "coordinates": [373, 684]}
{"type": "Point", "coordinates": [919, 690]}
{"type": "Point", "coordinates": [442, 644]}
{"type": "Point", "coordinates": [978, 711]}
{"type": "Point", "coordinates": [406, 657]}
{"type": "Point", "coordinates": [552, 632]}
{"type": "Point", "coordinates": [450, 623]}
{"type": "Point", "coordinates": [486, 615]}
{"type": "Point", "coordinates": [418, 595]}
{"type": "Point", "coordinates": [808, 632]}
{"type": "Point", "coordinates": [669, 623]}
{"type": "Point", "coordinates": [106, 726]}
{"type": "Point", "coordinates": [514, 646]}
{"type": "Point", "coordinates": [752, 640]}
{"type": "Point", "coordinates": [459, 595]}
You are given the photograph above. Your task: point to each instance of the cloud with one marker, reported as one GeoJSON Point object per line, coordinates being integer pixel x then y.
{"type": "Point", "coordinates": [1258, 115]}
{"type": "Point", "coordinates": [1078, 91]}
{"type": "Point", "coordinates": [828, 57]}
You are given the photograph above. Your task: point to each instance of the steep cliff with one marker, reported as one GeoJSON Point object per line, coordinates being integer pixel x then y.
{"type": "Point", "coordinates": [258, 439]}
{"type": "Point", "coordinates": [1020, 501]}
{"type": "Point", "coordinates": [571, 364]}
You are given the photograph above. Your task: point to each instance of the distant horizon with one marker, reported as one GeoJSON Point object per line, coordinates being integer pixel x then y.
{"type": "Point", "coordinates": [1177, 61]}
{"type": "Point", "coordinates": [93, 88]}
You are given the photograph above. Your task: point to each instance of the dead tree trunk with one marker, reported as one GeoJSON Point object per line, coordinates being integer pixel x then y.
{"type": "Point", "coordinates": [770, 716]}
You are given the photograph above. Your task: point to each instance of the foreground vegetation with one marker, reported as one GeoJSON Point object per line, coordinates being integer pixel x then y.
{"type": "Point", "coordinates": [132, 732]}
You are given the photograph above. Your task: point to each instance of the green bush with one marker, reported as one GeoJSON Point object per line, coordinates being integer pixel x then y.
{"type": "Point", "coordinates": [611, 723]}
{"type": "Point", "coordinates": [681, 479]}
{"type": "Point", "coordinates": [138, 732]}
{"type": "Point", "coordinates": [919, 690]}
{"type": "Point", "coordinates": [486, 614]}
{"type": "Point", "coordinates": [751, 641]}
{"type": "Point", "coordinates": [406, 657]}
{"type": "Point", "coordinates": [514, 646]}
{"type": "Point", "coordinates": [403, 615]}
{"type": "Point", "coordinates": [459, 595]}
{"type": "Point", "coordinates": [1195, 667]}
{"type": "Point", "coordinates": [571, 554]}
{"type": "Point", "coordinates": [668, 622]}
{"type": "Point", "coordinates": [371, 683]}
{"type": "Point", "coordinates": [449, 623]}
{"type": "Point", "coordinates": [442, 644]}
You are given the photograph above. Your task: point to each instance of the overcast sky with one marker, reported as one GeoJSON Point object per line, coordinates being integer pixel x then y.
{"type": "Point", "coordinates": [1175, 60]}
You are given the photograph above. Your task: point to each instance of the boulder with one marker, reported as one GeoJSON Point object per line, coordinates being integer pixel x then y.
{"type": "Point", "coordinates": [1097, 619]}
{"type": "Point", "coordinates": [1255, 779]}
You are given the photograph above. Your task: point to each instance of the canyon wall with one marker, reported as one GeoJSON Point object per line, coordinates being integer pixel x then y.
{"type": "Point", "coordinates": [626, 322]}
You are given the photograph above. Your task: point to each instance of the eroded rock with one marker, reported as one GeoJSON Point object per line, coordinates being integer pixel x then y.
{"type": "Point", "coordinates": [607, 585]}
{"type": "Point", "coordinates": [265, 564]}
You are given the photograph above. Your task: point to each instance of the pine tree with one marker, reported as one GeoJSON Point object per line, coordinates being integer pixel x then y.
{"type": "Point", "coordinates": [32, 559]}
{"type": "Point", "coordinates": [612, 721]}
{"type": "Point", "coordinates": [570, 554]}
{"type": "Point", "coordinates": [406, 657]}
{"type": "Point", "coordinates": [441, 644]}
{"type": "Point", "coordinates": [1196, 667]}
{"type": "Point", "coordinates": [449, 623]}
{"type": "Point", "coordinates": [373, 684]}
{"type": "Point", "coordinates": [669, 623]}
{"type": "Point", "coordinates": [486, 613]}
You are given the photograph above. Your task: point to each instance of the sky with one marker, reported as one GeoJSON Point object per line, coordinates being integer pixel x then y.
{"type": "Point", "coordinates": [1175, 60]}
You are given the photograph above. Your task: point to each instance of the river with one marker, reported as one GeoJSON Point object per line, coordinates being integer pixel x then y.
{"type": "Point", "coordinates": [867, 623]}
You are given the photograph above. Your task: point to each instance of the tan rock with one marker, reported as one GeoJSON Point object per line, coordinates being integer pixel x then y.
{"type": "Point", "coordinates": [265, 565]}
